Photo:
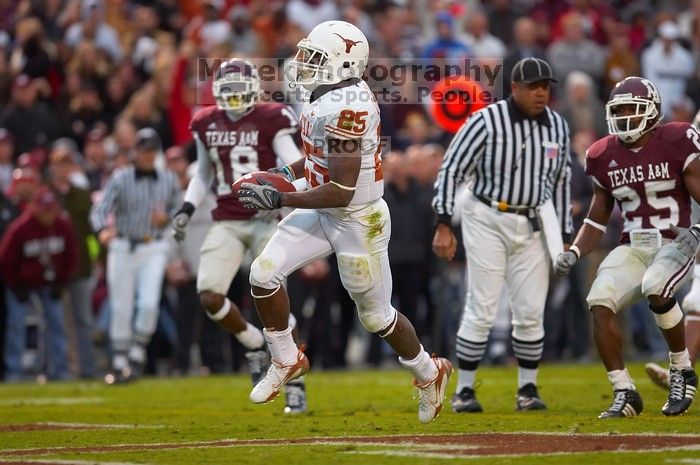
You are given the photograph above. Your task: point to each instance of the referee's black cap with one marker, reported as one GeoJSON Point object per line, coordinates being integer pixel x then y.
{"type": "Point", "coordinates": [147, 139]}
{"type": "Point", "coordinates": [531, 69]}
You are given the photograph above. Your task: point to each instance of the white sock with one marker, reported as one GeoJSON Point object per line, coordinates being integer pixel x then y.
{"type": "Point", "coordinates": [465, 378]}
{"type": "Point", "coordinates": [621, 379]}
{"type": "Point", "coordinates": [282, 347]}
{"type": "Point", "coordinates": [137, 353]}
{"type": "Point", "coordinates": [527, 376]}
{"type": "Point", "coordinates": [251, 337]}
{"type": "Point", "coordinates": [680, 360]}
{"type": "Point", "coordinates": [422, 366]}
{"type": "Point", "coordinates": [119, 362]}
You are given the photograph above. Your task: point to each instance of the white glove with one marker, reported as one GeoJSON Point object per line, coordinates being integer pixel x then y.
{"type": "Point", "coordinates": [687, 240]}
{"type": "Point", "coordinates": [181, 220]}
{"type": "Point", "coordinates": [564, 263]}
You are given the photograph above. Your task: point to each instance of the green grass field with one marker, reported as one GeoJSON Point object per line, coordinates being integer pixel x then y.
{"type": "Point", "coordinates": [196, 420]}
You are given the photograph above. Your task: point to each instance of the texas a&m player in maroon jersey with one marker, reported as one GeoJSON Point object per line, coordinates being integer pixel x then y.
{"type": "Point", "coordinates": [237, 136]}
{"type": "Point", "coordinates": [651, 170]}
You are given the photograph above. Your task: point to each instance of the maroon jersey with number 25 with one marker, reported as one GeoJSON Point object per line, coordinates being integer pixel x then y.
{"type": "Point", "coordinates": [237, 148]}
{"type": "Point", "coordinates": [647, 183]}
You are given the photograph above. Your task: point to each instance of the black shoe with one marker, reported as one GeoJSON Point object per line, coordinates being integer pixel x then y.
{"type": "Point", "coordinates": [137, 369]}
{"type": "Point", "coordinates": [529, 399]}
{"type": "Point", "coordinates": [295, 397]}
{"type": "Point", "coordinates": [626, 403]}
{"type": "Point", "coordinates": [258, 363]}
{"type": "Point", "coordinates": [683, 383]}
{"type": "Point", "coordinates": [122, 376]}
{"type": "Point", "coordinates": [465, 401]}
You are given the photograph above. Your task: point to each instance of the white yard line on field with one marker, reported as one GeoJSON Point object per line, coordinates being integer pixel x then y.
{"type": "Point", "coordinates": [51, 401]}
{"type": "Point", "coordinates": [98, 425]}
{"type": "Point", "coordinates": [437, 455]}
{"type": "Point", "coordinates": [402, 441]}
{"type": "Point", "coordinates": [69, 462]}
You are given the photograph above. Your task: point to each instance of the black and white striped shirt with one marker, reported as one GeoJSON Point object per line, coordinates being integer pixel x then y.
{"type": "Point", "coordinates": [510, 158]}
{"type": "Point", "coordinates": [133, 200]}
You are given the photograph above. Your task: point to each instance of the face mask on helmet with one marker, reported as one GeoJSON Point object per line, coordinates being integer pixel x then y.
{"type": "Point", "coordinates": [308, 66]}
{"type": "Point", "coordinates": [334, 51]}
{"type": "Point", "coordinates": [235, 93]}
{"type": "Point", "coordinates": [629, 118]}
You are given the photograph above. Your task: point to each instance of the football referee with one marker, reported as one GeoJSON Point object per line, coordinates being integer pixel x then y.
{"type": "Point", "coordinates": [142, 199]}
{"type": "Point", "coordinates": [515, 154]}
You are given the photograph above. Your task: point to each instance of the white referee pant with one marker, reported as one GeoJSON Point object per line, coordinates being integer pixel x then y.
{"type": "Point", "coordinates": [134, 276]}
{"type": "Point", "coordinates": [501, 248]}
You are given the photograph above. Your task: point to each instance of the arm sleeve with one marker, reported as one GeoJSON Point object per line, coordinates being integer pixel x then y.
{"type": "Point", "coordinates": [199, 184]}
{"type": "Point", "coordinates": [101, 211]}
{"type": "Point", "coordinates": [462, 156]}
{"type": "Point", "coordinates": [285, 148]}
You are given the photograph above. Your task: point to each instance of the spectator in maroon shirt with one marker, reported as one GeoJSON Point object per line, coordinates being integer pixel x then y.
{"type": "Point", "coordinates": [37, 256]}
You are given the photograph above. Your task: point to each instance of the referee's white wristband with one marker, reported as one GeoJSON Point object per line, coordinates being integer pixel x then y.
{"type": "Point", "coordinates": [575, 250]}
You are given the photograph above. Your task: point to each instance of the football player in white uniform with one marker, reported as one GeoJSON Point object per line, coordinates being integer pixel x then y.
{"type": "Point", "coordinates": [342, 212]}
{"type": "Point", "coordinates": [237, 136]}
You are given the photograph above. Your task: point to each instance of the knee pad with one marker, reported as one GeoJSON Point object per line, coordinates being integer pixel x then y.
{"type": "Point", "coordinates": [355, 272]}
{"type": "Point", "coordinates": [382, 323]}
{"type": "Point", "coordinates": [264, 272]}
{"type": "Point", "coordinates": [668, 316]}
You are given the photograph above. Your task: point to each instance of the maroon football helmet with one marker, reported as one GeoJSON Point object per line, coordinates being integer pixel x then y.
{"type": "Point", "coordinates": [640, 94]}
{"type": "Point", "coordinates": [236, 85]}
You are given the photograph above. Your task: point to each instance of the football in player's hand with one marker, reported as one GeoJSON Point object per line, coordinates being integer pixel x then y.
{"type": "Point", "coordinates": [280, 182]}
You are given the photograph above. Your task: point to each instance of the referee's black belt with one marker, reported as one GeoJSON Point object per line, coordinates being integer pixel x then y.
{"type": "Point", "coordinates": [504, 207]}
{"type": "Point", "coordinates": [134, 241]}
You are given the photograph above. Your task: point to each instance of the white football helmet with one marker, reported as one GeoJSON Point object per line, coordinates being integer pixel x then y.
{"type": "Point", "coordinates": [634, 92]}
{"type": "Point", "coordinates": [236, 85]}
{"type": "Point", "coordinates": [334, 51]}
{"type": "Point", "coordinates": [696, 121]}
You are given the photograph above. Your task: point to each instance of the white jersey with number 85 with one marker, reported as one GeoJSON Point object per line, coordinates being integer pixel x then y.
{"type": "Point", "coordinates": [329, 123]}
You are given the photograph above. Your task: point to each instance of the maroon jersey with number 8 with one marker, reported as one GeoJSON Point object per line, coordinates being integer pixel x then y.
{"type": "Point", "coordinates": [647, 184]}
{"type": "Point", "coordinates": [237, 148]}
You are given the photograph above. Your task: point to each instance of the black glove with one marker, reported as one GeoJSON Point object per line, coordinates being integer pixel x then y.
{"type": "Point", "coordinates": [181, 220]}
{"type": "Point", "coordinates": [260, 197]}
{"type": "Point", "coordinates": [284, 171]}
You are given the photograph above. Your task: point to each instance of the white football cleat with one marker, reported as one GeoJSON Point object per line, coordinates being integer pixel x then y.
{"type": "Point", "coordinates": [277, 376]}
{"type": "Point", "coordinates": [658, 375]}
{"type": "Point", "coordinates": [432, 394]}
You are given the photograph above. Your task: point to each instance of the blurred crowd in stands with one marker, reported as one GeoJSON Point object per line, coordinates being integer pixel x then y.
{"type": "Point", "coordinates": [78, 78]}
